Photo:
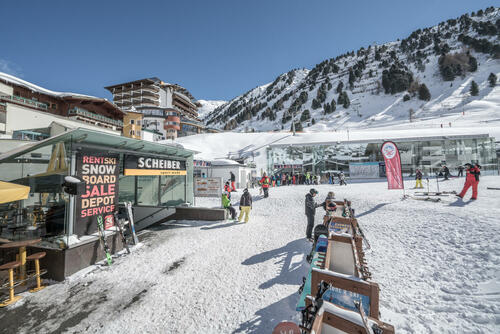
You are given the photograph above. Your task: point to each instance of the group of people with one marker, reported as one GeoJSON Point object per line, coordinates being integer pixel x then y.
{"type": "Point", "coordinates": [471, 179]}
{"type": "Point", "coordinates": [287, 179]}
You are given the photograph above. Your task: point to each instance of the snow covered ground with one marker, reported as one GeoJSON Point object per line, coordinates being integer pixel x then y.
{"type": "Point", "coordinates": [438, 266]}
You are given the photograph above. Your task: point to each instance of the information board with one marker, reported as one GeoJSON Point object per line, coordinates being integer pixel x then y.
{"type": "Point", "coordinates": [208, 186]}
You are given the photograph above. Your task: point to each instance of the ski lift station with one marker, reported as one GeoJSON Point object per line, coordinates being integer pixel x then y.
{"type": "Point", "coordinates": [157, 179]}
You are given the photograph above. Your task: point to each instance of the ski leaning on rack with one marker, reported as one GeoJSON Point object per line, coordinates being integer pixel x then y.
{"type": "Point", "coordinates": [102, 237]}
{"type": "Point", "coordinates": [120, 228]}
{"type": "Point", "coordinates": [131, 225]}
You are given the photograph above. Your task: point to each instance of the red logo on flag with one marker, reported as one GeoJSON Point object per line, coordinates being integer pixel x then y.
{"type": "Point", "coordinates": [392, 165]}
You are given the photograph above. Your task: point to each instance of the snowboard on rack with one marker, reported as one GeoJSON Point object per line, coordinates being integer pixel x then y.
{"type": "Point", "coordinates": [131, 225]}
{"type": "Point", "coordinates": [102, 237]}
{"type": "Point", "coordinates": [122, 233]}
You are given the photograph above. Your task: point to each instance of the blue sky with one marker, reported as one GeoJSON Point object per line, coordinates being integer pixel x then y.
{"type": "Point", "coordinates": [216, 49]}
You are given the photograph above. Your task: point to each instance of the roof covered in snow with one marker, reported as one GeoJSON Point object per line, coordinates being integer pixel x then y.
{"type": "Point", "coordinates": [62, 95]}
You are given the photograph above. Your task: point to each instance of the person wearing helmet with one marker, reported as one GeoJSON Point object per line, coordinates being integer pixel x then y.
{"type": "Point", "coordinates": [245, 205]}
{"type": "Point", "coordinates": [311, 206]}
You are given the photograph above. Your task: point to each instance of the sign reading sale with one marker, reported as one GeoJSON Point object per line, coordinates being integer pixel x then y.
{"type": "Point", "coordinates": [100, 173]}
{"type": "Point", "coordinates": [393, 171]}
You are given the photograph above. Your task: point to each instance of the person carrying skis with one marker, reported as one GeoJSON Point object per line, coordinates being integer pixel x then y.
{"type": "Point", "coordinates": [264, 182]}
{"type": "Point", "coordinates": [233, 179]}
{"type": "Point", "coordinates": [418, 179]}
{"type": "Point", "coordinates": [245, 206]}
{"type": "Point", "coordinates": [311, 206]}
{"type": "Point", "coordinates": [226, 204]}
{"type": "Point", "coordinates": [342, 178]}
{"type": "Point", "coordinates": [471, 180]}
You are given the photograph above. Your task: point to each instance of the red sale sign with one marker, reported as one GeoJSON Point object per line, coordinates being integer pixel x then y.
{"type": "Point", "coordinates": [392, 165]}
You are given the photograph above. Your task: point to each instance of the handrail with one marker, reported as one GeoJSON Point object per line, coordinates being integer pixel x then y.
{"type": "Point", "coordinates": [85, 113]}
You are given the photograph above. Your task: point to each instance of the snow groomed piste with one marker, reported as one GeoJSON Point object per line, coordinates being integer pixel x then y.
{"type": "Point", "coordinates": [338, 295]}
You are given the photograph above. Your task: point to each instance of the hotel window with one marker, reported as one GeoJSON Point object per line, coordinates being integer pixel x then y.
{"type": "Point", "coordinates": [131, 121]}
{"type": "Point", "coordinates": [54, 106]}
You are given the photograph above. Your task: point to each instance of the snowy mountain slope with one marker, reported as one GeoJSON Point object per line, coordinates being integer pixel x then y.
{"type": "Point", "coordinates": [376, 80]}
{"type": "Point", "coordinates": [207, 106]}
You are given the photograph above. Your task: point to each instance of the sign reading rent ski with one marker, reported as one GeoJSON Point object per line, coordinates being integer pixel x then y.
{"type": "Point", "coordinates": [392, 165]}
{"type": "Point", "coordinates": [100, 173]}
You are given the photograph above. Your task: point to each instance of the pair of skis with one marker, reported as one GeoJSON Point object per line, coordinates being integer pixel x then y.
{"type": "Point", "coordinates": [102, 234]}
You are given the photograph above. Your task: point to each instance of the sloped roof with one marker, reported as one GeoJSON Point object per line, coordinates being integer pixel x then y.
{"type": "Point", "coordinates": [67, 96]}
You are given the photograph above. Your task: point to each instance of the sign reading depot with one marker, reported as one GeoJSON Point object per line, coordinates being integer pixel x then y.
{"type": "Point", "coordinates": [138, 165]}
{"type": "Point", "coordinates": [100, 173]}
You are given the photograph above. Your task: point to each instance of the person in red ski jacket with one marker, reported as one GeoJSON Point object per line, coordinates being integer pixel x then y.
{"type": "Point", "coordinates": [264, 182]}
{"type": "Point", "coordinates": [227, 189]}
{"type": "Point", "coordinates": [471, 180]}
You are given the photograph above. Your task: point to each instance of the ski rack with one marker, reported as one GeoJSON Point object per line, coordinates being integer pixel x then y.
{"type": "Point", "coordinates": [343, 268]}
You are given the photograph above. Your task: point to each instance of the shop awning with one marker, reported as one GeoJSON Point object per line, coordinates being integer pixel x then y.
{"type": "Point", "coordinates": [11, 192]}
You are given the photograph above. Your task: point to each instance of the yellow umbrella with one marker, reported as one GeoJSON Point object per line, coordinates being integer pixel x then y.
{"type": "Point", "coordinates": [10, 192]}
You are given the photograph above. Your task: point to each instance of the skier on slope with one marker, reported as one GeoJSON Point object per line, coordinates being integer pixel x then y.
{"type": "Point", "coordinates": [264, 182]}
{"type": "Point", "coordinates": [245, 206]}
{"type": "Point", "coordinates": [226, 204]}
{"type": "Point", "coordinates": [418, 179]}
{"type": "Point", "coordinates": [311, 206]}
{"type": "Point", "coordinates": [233, 179]}
{"type": "Point", "coordinates": [471, 180]}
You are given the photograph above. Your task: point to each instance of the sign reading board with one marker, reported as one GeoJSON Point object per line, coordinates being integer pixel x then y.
{"type": "Point", "coordinates": [138, 165]}
{"type": "Point", "coordinates": [100, 173]}
{"type": "Point", "coordinates": [207, 186]}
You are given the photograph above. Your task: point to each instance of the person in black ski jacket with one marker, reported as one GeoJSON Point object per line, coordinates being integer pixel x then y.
{"type": "Point", "coordinates": [311, 206]}
{"type": "Point", "coordinates": [446, 172]}
{"type": "Point", "coordinates": [245, 205]}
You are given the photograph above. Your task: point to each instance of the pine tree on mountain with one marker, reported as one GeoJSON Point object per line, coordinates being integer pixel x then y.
{"type": "Point", "coordinates": [472, 64]}
{"type": "Point", "coordinates": [492, 78]}
{"type": "Point", "coordinates": [423, 93]}
{"type": "Point", "coordinates": [474, 89]}
{"type": "Point", "coordinates": [326, 108]}
{"type": "Point", "coordinates": [333, 105]}
{"type": "Point", "coordinates": [351, 78]}
{"type": "Point", "coordinates": [340, 86]}
{"type": "Point", "coordinates": [340, 99]}
{"type": "Point", "coordinates": [313, 121]}
{"type": "Point", "coordinates": [315, 104]}
{"type": "Point", "coordinates": [345, 100]}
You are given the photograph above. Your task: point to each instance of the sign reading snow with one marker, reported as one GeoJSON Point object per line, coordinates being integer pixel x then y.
{"type": "Point", "coordinates": [393, 171]}
{"type": "Point", "coordinates": [100, 173]}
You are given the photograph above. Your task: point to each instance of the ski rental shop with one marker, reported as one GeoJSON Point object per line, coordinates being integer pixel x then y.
{"type": "Point", "coordinates": [154, 178]}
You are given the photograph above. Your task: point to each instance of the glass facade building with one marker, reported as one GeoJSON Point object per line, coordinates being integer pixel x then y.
{"type": "Point", "coordinates": [50, 212]}
{"type": "Point", "coordinates": [426, 153]}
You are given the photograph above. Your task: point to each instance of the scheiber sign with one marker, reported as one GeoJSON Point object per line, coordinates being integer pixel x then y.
{"type": "Point", "coordinates": [138, 165]}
